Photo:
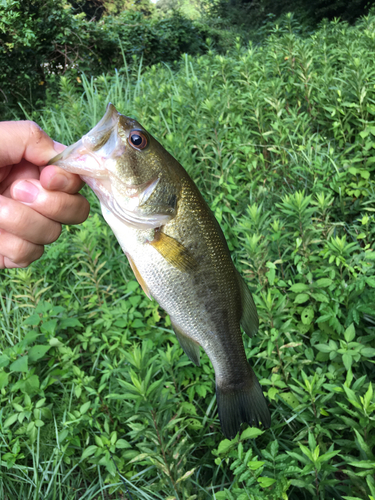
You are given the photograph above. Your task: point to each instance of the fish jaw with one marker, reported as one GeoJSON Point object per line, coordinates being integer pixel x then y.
{"type": "Point", "coordinates": [94, 158]}
{"type": "Point", "coordinates": [94, 154]}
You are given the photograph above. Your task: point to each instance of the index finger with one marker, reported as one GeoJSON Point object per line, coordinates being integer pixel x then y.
{"type": "Point", "coordinates": [25, 139]}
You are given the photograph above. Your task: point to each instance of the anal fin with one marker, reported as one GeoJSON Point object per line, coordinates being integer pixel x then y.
{"type": "Point", "coordinates": [137, 274]}
{"type": "Point", "coordinates": [249, 319]}
{"type": "Point", "coordinates": [190, 347]}
{"type": "Point", "coordinates": [173, 252]}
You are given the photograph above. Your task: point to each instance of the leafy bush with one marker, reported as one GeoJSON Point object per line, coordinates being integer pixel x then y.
{"type": "Point", "coordinates": [245, 13]}
{"type": "Point", "coordinates": [40, 40]}
{"type": "Point", "coordinates": [279, 138]}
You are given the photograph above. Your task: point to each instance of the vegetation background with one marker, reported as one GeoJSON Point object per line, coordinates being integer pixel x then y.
{"type": "Point", "coordinates": [272, 114]}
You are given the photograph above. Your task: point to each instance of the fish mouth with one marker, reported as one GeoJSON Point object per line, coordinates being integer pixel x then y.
{"type": "Point", "coordinates": [92, 154]}
{"type": "Point", "coordinates": [94, 158]}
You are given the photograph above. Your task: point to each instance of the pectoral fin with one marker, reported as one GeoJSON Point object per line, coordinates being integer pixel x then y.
{"type": "Point", "coordinates": [175, 253]}
{"type": "Point", "coordinates": [139, 277]}
{"type": "Point", "coordinates": [249, 318]}
{"type": "Point", "coordinates": [190, 347]}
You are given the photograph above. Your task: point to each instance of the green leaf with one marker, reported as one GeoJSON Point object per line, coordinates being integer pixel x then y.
{"type": "Point", "coordinates": [70, 322]}
{"type": "Point", "coordinates": [299, 287]}
{"type": "Point", "coordinates": [323, 283]}
{"type": "Point", "coordinates": [363, 464]}
{"type": "Point", "coordinates": [251, 433]}
{"type": "Point", "coordinates": [10, 420]}
{"type": "Point", "coordinates": [38, 352]}
{"type": "Point", "coordinates": [49, 326]}
{"type": "Point", "coordinates": [255, 464]}
{"type": "Point", "coordinates": [30, 337]}
{"type": "Point", "coordinates": [90, 450]}
{"type": "Point", "coordinates": [327, 456]}
{"type": "Point", "coordinates": [4, 379]}
{"type": "Point", "coordinates": [323, 347]}
{"type": "Point", "coordinates": [299, 483]}
{"type": "Point", "coordinates": [137, 323]}
{"type": "Point", "coordinates": [320, 297]}
{"type": "Point", "coordinates": [266, 482]}
{"type": "Point", "coordinates": [139, 457]}
{"type": "Point", "coordinates": [349, 333]}
{"type": "Point", "coordinates": [55, 342]}
{"type": "Point", "coordinates": [347, 360]}
{"type": "Point", "coordinates": [4, 361]}
{"type": "Point", "coordinates": [84, 408]}
{"type": "Point", "coordinates": [186, 475]}
{"type": "Point", "coordinates": [351, 498]}
{"type": "Point", "coordinates": [290, 399]}
{"type": "Point", "coordinates": [122, 444]}
{"type": "Point", "coordinates": [20, 365]}
{"type": "Point", "coordinates": [226, 445]}
{"type": "Point", "coordinates": [99, 441]}
{"type": "Point", "coordinates": [33, 320]}
{"type": "Point", "coordinates": [307, 315]}
{"type": "Point", "coordinates": [301, 298]}
{"type": "Point", "coordinates": [368, 352]}
{"type": "Point", "coordinates": [32, 384]}
{"type": "Point", "coordinates": [370, 281]}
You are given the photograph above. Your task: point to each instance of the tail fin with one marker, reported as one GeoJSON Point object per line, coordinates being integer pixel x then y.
{"type": "Point", "coordinates": [239, 403]}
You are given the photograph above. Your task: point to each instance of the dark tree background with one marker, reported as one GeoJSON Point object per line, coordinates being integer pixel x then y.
{"type": "Point", "coordinates": [253, 12]}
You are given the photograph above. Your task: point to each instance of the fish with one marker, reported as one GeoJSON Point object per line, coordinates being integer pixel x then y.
{"type": "Point", "coordinates": [178, 254]}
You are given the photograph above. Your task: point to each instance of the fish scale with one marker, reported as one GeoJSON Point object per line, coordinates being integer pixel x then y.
{"type": "Point", "coordinates": [177, 252]}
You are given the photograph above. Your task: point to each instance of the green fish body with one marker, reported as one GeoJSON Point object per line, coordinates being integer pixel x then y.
{"type": "Point", "coordinates": [178, 254]}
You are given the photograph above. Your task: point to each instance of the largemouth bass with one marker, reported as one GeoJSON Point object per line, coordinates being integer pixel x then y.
{"type": "Point", "coordinates": [178, 254]}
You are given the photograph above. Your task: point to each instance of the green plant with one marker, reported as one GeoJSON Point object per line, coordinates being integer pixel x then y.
{"type": "Point", "coordinates": [255, 130]}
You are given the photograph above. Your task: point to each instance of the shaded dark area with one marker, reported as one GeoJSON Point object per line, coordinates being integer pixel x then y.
{"type": "Point", "coordinates": [93, 9]}
{"type": "Point", "coordinates": [254, 12]}
{"type": "Point", "coordinates": [47, 40]}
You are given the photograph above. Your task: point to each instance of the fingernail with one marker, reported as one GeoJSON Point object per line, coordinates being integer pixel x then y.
{"type": "Point", "coordinates": [25, 191]}
{"type": "Point", "coordinates": [59, 182]}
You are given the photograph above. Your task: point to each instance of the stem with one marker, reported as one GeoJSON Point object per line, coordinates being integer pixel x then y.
{"type": "Point", "coordinates": [316, 483]}
{"type": "Point", "coordinates": [163, 453]}
{"type": "Point", "coordinates": [281, 363]}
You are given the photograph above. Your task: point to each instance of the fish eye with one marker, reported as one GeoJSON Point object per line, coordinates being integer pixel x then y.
{"type": "Point", "coordinates": [137, 139]}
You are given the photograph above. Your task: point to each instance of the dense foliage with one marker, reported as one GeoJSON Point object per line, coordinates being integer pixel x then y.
{"type": "Point", "coordinates": [42, 39]}
{"type": "Point", "coordinates": [253, 12]}
{"type": "Point", "coordinates": [280, 140]}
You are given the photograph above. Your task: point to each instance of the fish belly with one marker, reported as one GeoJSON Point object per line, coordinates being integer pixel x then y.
{"type": "Point", "coordinates": [202, 304]}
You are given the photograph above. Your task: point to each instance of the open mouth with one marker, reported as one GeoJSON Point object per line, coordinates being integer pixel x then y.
{"type": "Point", "coordinates": [92, 154]}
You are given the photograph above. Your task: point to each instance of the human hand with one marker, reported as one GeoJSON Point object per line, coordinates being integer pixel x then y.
{"type": "Point", "coordinates": [32, 210]}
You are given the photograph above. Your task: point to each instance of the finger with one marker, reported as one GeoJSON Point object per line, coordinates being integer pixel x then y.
{"type": "Point", "coordinates": [27, 141]}
{"type": "Point", "coordinates": [24, 170]}
{"type": "Point", "coordinates": [56, 205]}
{"type": "Point", "coordinates": [56, 179]}
{"type": "Point", "coordinates": [16, 252]}
{"type": "Point", "coordinates": [21, 220]}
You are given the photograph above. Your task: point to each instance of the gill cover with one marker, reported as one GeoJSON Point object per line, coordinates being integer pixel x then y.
{"type": "Point", "coordinates": [96, 156]}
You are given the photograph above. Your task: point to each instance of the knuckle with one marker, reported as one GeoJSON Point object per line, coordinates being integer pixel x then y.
{"type": "Point", "coordinates": [23, 264]}
{"type": "Point", "coordinates": [29, 259]}
{"type": "Point", "coordinates": [84, 210]}
{"type": "Point", "coordinates": [54, 233]}
{"type": "Point", "coordinates": [35, 132]}
{"type": "Point", "coordinates": [21, 251]}
{"type": "Point", "coordinates": [8, 213]}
